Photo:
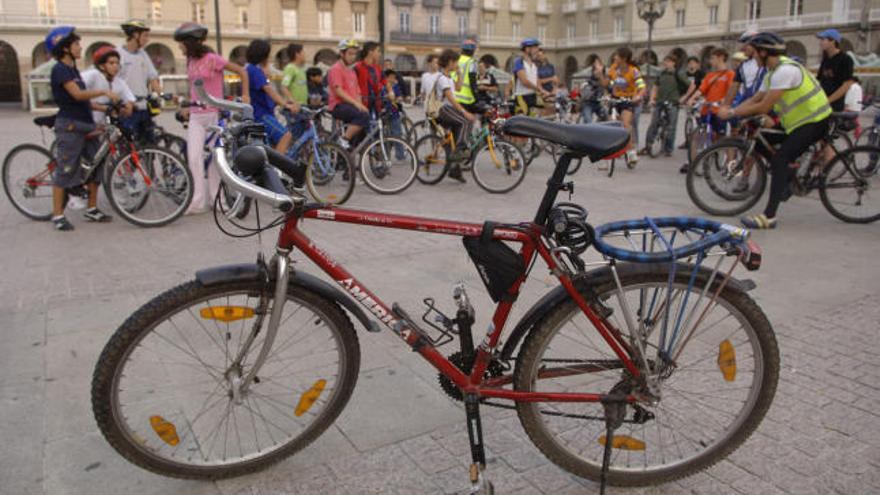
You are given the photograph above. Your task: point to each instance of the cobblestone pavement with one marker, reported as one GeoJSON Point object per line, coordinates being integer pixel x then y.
{"type": "Point", "coordinates": [62, 295]}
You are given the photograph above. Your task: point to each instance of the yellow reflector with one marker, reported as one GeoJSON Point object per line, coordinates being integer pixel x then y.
{"type": "Point", "coordinates": [227, 313]}
{"type": "Point", "coordinates": [309, 397]}
{"type": "Point", "coordinates": [727, 360]}
{"type": "Point", "coordinates": [166, 431]}
{"type": "Point", "coordinates": [624, 442]}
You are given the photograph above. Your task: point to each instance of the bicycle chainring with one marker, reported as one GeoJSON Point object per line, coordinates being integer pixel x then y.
{"type": "Point", "coordinates": [494, 370]}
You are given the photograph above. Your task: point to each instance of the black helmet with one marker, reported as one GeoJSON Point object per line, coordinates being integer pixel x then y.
{"type": "Point", "coordinates": [133, 26]}
{"type": "Point", "coordinates": [190, 31]}
{"type": "Point", "coordinates": [771, 42]}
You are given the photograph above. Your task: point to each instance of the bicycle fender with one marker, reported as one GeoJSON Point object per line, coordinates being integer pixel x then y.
{"type": "Point", "coordinates": [253, 272]}
{"type": "Point", "coordinates": [594, 278]}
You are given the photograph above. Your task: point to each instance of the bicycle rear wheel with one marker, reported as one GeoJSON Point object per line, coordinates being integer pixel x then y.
{"type": "Point", "coordinates": [165, 394]}
{"type": "Point", "coordinates": [27, 180]}
{"type": "Point", "coordinates": [705, 410]}
{"type": "Point", "coordinates": [724, 180]}
{"type": "Point", "coordinates": [849, 185]}
{"type": "Point", "coordinates": [388, 169]}
{"type": "Point", "coordinates": [498, 166]}
{"type": "Point", "coordinates": [150, 187]}
{"type": "Point", "coordinates": [330, 176]}
{"type": "Point", "coordinates": [433, 158]}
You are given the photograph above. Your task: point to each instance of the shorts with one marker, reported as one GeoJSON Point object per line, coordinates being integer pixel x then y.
{"type": "Point", "coordinates": [624, 106]}
{"type": "Point", "coordinates": [275, 130]}
{"type": "Point", "coordinates": [525, 103]}
{"type": "Point", "coordinates": [347, 113]}
{"type": "Point", "coordinates": [72, 145]}
{"type": "Point", "coordinates": [719, 126]}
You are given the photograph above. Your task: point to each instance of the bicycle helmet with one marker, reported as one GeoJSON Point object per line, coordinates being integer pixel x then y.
{"type": "Point", "coordinates": [190, 31]}
{"type": "Point", "coordinates": [60, 37]}
{"type": "Point", "coordinates": [771, 42]}
{"type": "Point", "coordinates": [469, 44]}
{"type": "Point", "coordinates": [103, 53]}
{"type": "Point", "coordinates": [346, 44]}
{"type": "Point", "coordinates": [133, 26]}
{"type": "Point", "coordinates": [747, 36]}
{"type": "Point", "coordinates": [529, 42]}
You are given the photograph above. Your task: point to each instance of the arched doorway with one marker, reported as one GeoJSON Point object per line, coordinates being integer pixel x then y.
{"type": "Point", "coordinates": [91, 50]}
{"type": "Point", "coordinates": [326, 57]}
{"type": "Point", "coordinates": [406, 62]}
{"type": "Point", "coordinates": [238, 55]}
{"type": "Point", "coordinates": [10, 82]}
{"type": "Point", "coordinates": [39, 55]}
{"type": "Point", "coordinates": [571, 66]}
{"type": "Point", "coordinates": [162, 57]}
{"type": "Point", "coordinates": [795, 48]}
{"type": "Point", "coordinates": [846, 45]}
{"type": "Point", "coordinates": [705, 53]}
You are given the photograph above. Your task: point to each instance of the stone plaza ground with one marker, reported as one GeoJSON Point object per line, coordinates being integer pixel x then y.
{"type": "Point", "coordinates": [63, 294]}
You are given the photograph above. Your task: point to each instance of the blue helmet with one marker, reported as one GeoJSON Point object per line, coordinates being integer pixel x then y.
{"type": "Point", "coordinates": [529, 42]}
{"type": "Point", "coordinates": [469, 44]}
{"type": "Point", "coordinates": [57, 36]}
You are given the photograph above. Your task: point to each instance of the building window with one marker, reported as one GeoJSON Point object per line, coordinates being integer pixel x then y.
{"type": "Point", "coordinates": [713, 15]}
{"type": "Point", "coordinates": [155, 10]}
{"type": "Point", "coordinates": [463, 25]}
{"type": "Point", "coordinates": [289, 22]}
{"type": "Point", "coordinates": [515, 30]}
{"type": "Point", "coordinates": [795, 8]}
{"type": "Point", "coordinates": [570, 31]}
{"type": "Point", "coordinates": [594, 28]}
{"type": "Point", "coordinates": [542, 32]}
{"type": "Point", "coordinates": [98, 8]}
{"type": "Point", "coordinates": [325, 23]}
{"type": "Point", "coordinates": [435, 23]}
{"type": "Point", "coordinates": [359, 21]}
{"type": "Point", "coordinates": [242, 18]}
{"type": "Point", "coordinates": [618, 26]}
{"type": "Point", "coordinates": [404, 21]}
{"type": "Point", "coordinates": [679, 18]}
{"type": "Point", "coordinates": [198, 12]}
{"type": "Point", "coordinates": [489, 29]}
{"type": "Point", "coordinates": [754, 10]}
{"type": "Point", "coordinates": [46, 8]}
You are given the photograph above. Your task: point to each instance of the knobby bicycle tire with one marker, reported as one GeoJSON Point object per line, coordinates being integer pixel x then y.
{"type": "Point", "coordinates": [410, 170]}
{"type": "Point", "coordinates": [506, 158]}
{"type": "Point", "coordinates": [843, 173]}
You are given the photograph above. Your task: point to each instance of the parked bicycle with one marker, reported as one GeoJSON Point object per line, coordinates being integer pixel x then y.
{"type": "Point", "coordinates": [248, 364]}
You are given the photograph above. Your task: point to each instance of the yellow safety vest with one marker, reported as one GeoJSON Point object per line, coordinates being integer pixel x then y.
{"type": "Point", "coordinates": [465, 95]}
{"type": "Point", "coordinates": [803, 105]}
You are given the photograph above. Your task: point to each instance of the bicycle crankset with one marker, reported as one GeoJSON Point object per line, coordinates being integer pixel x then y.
{"type": "Point", "coordinates": [495, 369]}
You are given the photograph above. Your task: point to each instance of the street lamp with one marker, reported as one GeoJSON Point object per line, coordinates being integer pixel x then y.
{"type": "Point", "coordinates": [649, 11]}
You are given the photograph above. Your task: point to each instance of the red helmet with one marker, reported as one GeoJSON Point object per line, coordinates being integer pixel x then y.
{"type": "Point", "coordinates": [101, 54]}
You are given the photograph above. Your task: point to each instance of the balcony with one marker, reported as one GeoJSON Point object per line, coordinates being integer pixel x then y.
{"type": "Point", "coordinates": [592, 4]}
{"type": "Point", "coordinates": [433, 4]}
{"type": "Point", "coordinates": [491, 5]}
{"type": "Point", "coordinates": [404, 2]}
{"type": "Point", "coordinates": [569, 6]}
{"type": "Point", "coordinates": [462, 4]}
{"type": "Point", "coordinates": [544, 7]}
{"type": "Point", "coordinates": [585, 41]}
{"type": "Point", "coordinates": [517, 6]}
{"type": "Point", "coordinates": [510, 42]}
{"type": "Point", "coordinates": [615, 3]}
{"type": "Point", "coordinates": [437, 39]}
{"type": "Point", "coordinates": [817, 20]}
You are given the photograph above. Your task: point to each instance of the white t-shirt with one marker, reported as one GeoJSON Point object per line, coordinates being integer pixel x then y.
{"type": "Point", "coordinates": [443, 83]}
{"type": "Point", "coordinates": [95, 79]}
{"type": "Point", "coordinates": [531, 75]}
{"type": "Point", "coordinates": [137, 70]}
{"type": "Point", "coordinates": [786, 76]}
{"type": "Point", "coordinates": [428, 81]}
{"type": "Point", "coordinates": [852, 102]}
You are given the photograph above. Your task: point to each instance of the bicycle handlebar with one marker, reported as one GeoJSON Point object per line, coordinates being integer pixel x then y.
{"type": "Point", "coordinates": [246, 111]}
{"type": "Point", "coordinates": [272, 196]}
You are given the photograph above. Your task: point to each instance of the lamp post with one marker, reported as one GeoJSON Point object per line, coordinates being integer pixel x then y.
{"type": "Point", "coordinates": [649, 11]}
{"type": "Point", "coordinates": [217, 25]}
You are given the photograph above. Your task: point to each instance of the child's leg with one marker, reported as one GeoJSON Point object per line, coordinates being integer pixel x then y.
{"type": "Point", "coordinates": [58, 201]}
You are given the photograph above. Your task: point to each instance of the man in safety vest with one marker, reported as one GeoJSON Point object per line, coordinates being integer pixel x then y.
{"type": "Point", "coordinates": [793, 93]}
{"type": "Point", "coordinates": [465, 78]}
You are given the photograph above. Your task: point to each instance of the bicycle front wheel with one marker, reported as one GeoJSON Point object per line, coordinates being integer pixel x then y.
{"type": "Point", "coordinates": [706, 406]}
{"type": "Point", "coordinates": [27, 180]}
{"type": "Point", "coordinates": [849, 185]}
{"type": "Point", "coordinates": [388, 166]}
{"type": "Point", "coordinates": [330, 176]}
{"type": "Point", "coordinates": [166, 391]}
{"type": "Point", "coordinates": [433, 156]}
{"type": "Point", "coordinates": [149, 187]}
{"type": "Point", "coordinates": [726, 179]}
{"type": "Point", "coordinates": [498, 166]}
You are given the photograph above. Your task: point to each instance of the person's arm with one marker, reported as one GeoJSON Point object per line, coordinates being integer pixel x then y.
{"type": "Point", "coordinates": [286, 79]}
{"type": "Point", "coordinates": [521, 76]}
{"type": "Point", "coordinates": [153, 83]}
{"type": "Point", "coordinates": [841, 91]}
{"type": "Point", "coordinates": [245, 83]}
{"type": "Point", "coordinates": [687, 94]}
{"type": "Point", "coordinates": [759, 104]}
{"type": "Point", "coordinates": [279, 100]}
{"type": "Point", "coordinates": [87, 94]}
{"type": "Point", "coordinates": [450, 97]}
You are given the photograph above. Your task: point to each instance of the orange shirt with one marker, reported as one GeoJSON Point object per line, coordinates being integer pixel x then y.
{"type": "Point", "coordinates": [715, 85]}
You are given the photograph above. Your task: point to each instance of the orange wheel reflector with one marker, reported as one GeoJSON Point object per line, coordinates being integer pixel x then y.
{"type": "Point", "coordinates": [624, 442]}
{"type": "Point", "coordinates": [727, 360]}
{"type": "Point", "coordinates": [309, 397]}
{"type": "Point", "coordinates": [227, 313]}
{"type": "Point", "coordinates": [166, 431]}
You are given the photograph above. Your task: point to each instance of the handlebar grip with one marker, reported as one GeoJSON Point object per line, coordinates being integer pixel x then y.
{"type": "Point", "coordinates": [557, 221]}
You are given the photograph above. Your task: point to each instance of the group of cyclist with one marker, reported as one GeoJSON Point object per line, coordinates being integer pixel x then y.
{"type": "Point", "coordinates": [766, 82]}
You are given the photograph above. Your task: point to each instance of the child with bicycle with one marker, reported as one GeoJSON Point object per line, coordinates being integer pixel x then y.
{"type": "Point", "coordinates": [264, 97]}
{"type": "Point", "coordinates": [714, 89]}
{"type": "Point", "coordinates": [73, 123]}
{"type": "Point", "coordinates": [452, 115]}
{"type": "Point", "coordinates": [102, 76]}
{"type": "Point", "coordinates": [671, 83]}
{"type": "Point", "coordinates": [204, 64]}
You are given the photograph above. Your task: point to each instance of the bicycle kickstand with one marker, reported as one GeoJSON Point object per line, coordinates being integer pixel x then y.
{"type": "Point", "coordinates": [480, 484]}
{"type": "Point", "coordinates": [615, 411]}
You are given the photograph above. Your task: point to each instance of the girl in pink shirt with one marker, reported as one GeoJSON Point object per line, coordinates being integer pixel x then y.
{"type": "Point", "coordinates": [204, 64]}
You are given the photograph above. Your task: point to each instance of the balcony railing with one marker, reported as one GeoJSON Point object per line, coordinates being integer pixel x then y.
{"type": "Point", "coordinates": [462, 4]}
{"type": "Point", "coordinates": [544, 7]}
{"type": "Point", "coordinates": [584, 41]}
{"type": "Point", "coordinates": [819, 19]}
{"type": "Point", "coordinates": [570, 7]}
{"type": "Point", "coordinates": [592, 4]}
{"type": "Point", "coordinates": [433, 4]}
{"type": "Point", "coordinates": [438, 38]}
{"type": "Point", "coordinates": [403, 2]}
{"type": "Point", "coordinates": [615, 3]}
{"type": "Point", "coordinates": [490, 4]}
{"type": "Point", "coordinates": [517, 6]}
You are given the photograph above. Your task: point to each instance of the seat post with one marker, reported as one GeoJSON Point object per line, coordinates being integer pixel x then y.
{"type": "Point", "coordinates": [554, 185]}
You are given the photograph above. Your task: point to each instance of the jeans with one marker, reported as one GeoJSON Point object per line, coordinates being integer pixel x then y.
{"type": "Point", "coordinates": [588, 108]}
{"type": "Point", "coordinates": [396, 124]}
{"type": "Point", "coordinates": [637, 112]}
{"type": "Point", "coordinates": [672, 114]}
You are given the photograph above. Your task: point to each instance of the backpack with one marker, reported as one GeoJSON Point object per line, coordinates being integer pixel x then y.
{"type": "Point", "coordinates": [432, 103]}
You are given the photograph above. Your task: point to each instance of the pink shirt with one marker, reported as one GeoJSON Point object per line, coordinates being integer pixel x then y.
{"type": "Point", "coordinates": [345, 77]}
{"type": "Point", "coordinates": [209, 69]}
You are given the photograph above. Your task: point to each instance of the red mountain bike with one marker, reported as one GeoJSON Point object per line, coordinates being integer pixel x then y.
{"type": "Point", "coordinates": [249, 363]}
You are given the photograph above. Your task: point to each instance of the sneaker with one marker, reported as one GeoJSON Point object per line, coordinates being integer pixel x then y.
{"type": "Point", "coordinates": [76, 202]}
{"type": "Point", "coordinates": [604, 166]}
{"type": "Point", "coordinates": [61, 223]}
{"type": "Point", "coordinates": [759, 222]}
{"type": "Point", "coordinates": [632, 157]}
{"type": "Point", "coordinates": [96, 215]}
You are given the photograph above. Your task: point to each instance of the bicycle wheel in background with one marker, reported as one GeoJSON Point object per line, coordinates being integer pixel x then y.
{"type": "Point", "coordinates": [724, 181]}
{"type": "Point", "coordinates": [655, 147]}
{"type": "Point", "coordinates": [388, 169]}
{"type": "Point", "coordinates": [433, 159]}
{"type": "Point", "coordinates": [698, 140]}
{"type": "Point", "coordinates": [869, 137]}
{"type": "Point", "coordinates": [166, 396]}
{"type": "Point", "coordinates": [330, 175]}
{"type": "Point", "coordinates": [150, 187]}
{"type": "Point", "coordinates": [27, 180]}
{"type": "Point", "coordinates": [706, 407]}
{"type": "Point", "coordinates": [849, 185]}
{"type": "Point", "coordinates": [173, 143]}
{"type": "Point", "coordinates": [498, 166]}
